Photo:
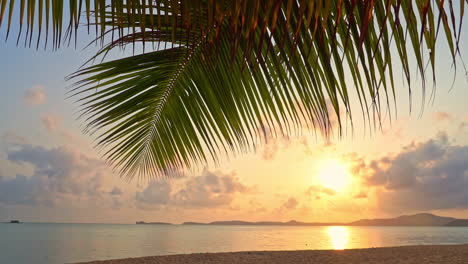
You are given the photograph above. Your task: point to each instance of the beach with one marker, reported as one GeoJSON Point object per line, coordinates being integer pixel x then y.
{"type": "Point", "coordinates": [457, 254]}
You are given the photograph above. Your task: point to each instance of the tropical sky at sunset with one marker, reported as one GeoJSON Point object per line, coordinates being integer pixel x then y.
{"type": "Point", "coordinates": [50, 172]}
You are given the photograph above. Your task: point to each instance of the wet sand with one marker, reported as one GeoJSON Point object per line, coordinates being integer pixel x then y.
{"type": "Point", "coordinates": [396, 255]}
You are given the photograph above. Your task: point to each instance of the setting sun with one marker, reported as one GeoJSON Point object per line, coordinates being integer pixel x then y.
{"type": "Point", "coordinates": [333, 174]}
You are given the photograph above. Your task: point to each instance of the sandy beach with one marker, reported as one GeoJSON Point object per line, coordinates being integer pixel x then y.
{"type": "Point", "coordinates": [457, 254]}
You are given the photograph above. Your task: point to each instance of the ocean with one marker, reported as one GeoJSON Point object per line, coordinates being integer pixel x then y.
{"type": "Point", "coordinates": [68, 243]}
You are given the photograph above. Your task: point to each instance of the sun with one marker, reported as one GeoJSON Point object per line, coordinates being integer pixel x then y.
{"type": "Point", "coordinates": [333, 174]}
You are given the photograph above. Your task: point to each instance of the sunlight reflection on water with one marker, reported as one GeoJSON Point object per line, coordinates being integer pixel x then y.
{"type": "Point", "coordinates": [338, 236]}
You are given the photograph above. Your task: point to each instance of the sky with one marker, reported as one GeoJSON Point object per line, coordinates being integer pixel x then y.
{"type": "Point", "coordinates": [50, 172]}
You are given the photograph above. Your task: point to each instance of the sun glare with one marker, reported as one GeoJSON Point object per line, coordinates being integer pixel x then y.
{"type": "Point", "coordinates": [333, 174]}
{"type": "Point", "coordinates": [338, 236]}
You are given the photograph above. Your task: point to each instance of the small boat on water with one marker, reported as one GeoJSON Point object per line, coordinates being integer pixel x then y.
{"type": "Point", "coordinates": [15, 222]}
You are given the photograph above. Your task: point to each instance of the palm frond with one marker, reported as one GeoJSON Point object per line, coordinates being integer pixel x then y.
{"type": "Point", "coordinates": [234, 69]}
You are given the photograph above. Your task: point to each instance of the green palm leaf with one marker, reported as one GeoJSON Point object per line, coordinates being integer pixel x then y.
{"type": "Point", "coordinates": [222, 73]}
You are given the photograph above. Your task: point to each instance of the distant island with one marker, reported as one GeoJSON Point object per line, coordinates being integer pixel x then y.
{"type": "Point", "coordinates": [458, 222]}
{"type": "Point", "coordinates": [422, 219]}
{"type": "Point", "coordinates": [152, 223]}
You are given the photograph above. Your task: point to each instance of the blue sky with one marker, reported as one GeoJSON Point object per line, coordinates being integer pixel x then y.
{"type": "Point", "coordinates": [50, 172]}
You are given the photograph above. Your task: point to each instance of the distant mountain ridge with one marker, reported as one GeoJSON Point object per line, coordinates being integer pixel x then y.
{"type": "Point", "coordinates": [458, 222]}
{"type": "Point", "coordinates": [422, 219]}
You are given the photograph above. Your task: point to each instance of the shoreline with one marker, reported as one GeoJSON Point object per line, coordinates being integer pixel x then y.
{"type": "Point", "coordinates": [427, 254]}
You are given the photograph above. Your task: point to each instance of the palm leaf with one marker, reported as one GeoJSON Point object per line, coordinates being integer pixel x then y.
{"type": "Point", "coordinates": [221, 73]}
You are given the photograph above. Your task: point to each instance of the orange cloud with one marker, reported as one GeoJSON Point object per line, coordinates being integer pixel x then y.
{"type": "Point", "coordinates": [290, 204]}
{"type": "Point", "coordinates": [442, 116]}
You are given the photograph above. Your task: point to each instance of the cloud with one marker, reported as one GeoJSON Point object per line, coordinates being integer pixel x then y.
{"type": "Point", "coordinates": [360, 195]}
{"type": "Point", "coordinates": [59, 174]}
{"type": "Point", "coordinates": [64, 177]}
{"type": "Point", "coordinates": [211, 189]}
{"type": "Point", "coordinates": [51, 122]}
{"type": "Point", "coordinates": [430, 175]}
{"type": "Point", "coordinates": [23, 190]}
{"type": "Point", "coordinates": [273, 144]}
{"type": "Point", "coordinates": [208, 190]}
{"type": "Point", "coordinates": [35, 96]}
{"type": "Point", "coordinates": [442, 116]}
{"type": "Point", "coordinates": [116, 191]}
{"type": "Point", "coordinates": [156, 193]}
{"type": "Point", "coordinates": [317, 191]}
{"type": "Point", "coordinates": [256, 207]}
{"type": "Point", "coordinates": [290, 204]}
{"type": "Point", "coordinates": [11, 137]}
{"type": "Point", "coordinates": [270, 150]}
{"type": "Point", "coordinates": [462, 126]}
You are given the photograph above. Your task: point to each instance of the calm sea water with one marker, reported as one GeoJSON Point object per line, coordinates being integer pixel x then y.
{"type": "Point", "coordinates": [65, 243]}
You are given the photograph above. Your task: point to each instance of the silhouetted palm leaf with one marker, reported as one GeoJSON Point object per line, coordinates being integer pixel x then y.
{"type": "Point", "coordinates": [221, 73]}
